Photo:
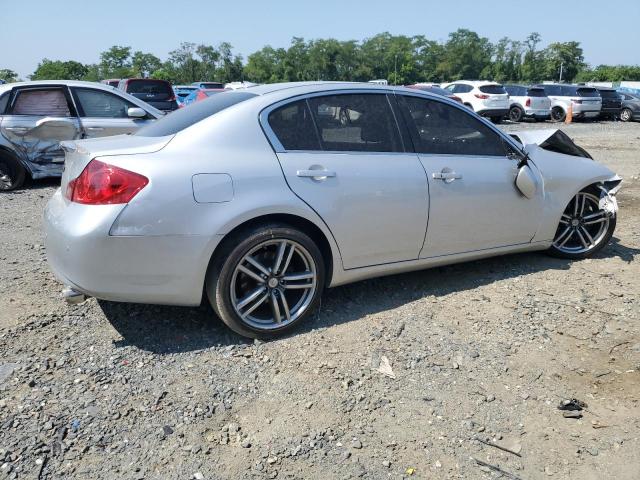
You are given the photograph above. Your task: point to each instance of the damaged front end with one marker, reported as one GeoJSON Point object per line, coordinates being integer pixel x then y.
{"type": "Point", "coordinates": [553, 140]}
{"type": "Point", "coordinates": [608, 190]}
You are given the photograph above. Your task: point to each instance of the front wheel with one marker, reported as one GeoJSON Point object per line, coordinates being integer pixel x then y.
{"type": "Point", "coordinates": [626, 115]}
{"type": "Point", "coordinates": [267, 281]}
{"type": "Point", "coordinates": [584, 228]}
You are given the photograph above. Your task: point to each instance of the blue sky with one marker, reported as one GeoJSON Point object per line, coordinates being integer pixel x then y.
{"type": "Point", "coordinates": [81, 29]}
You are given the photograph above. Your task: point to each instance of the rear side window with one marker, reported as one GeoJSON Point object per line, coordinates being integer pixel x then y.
{"type": "Point", "coordinates": [355, 122]}
{"type": "Point", "coordinates": [153, 87]}
{"type": "Point", "coordinates": [41, 102]}
{"type": "Point", "coordinates": [98, 103]}
{"type": "Point", "coordinates": [4, 99]}
{"type": "Point", "coordinates": [588, 92]}
{"type": "Point", "coordinates": [536, 92]}
{"type": "Point", "coordinates": [459, 88]}
{"type": "Point", "coordinates": [493, 89]}
{"type": "Point", "coordinates": [568, 90]}
{"type": "Point", "coordinates": [294, 127]}
{"type": "Point", "coordinates": [185, 117]}
{"type": "Point", "coordinates": [553, 90]}
{"type": "Point", "coordinates": [439, 128]}
{"type": "Point", "coordinates": [608, 93]}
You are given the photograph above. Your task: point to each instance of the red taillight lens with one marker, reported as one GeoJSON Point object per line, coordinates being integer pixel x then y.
{"type": "Point", "coordinates": [481, 96]}
{"type": "Point", "coordinates": [104, 184]}
{"type": "Point", "coordinates": [527, 103]}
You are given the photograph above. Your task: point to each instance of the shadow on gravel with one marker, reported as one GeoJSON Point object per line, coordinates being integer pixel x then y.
{"type": "Point", "coordinates": [165, 330]}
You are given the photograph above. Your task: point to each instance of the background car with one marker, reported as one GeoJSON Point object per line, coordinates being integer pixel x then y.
{"type": "Point", "coordinates": [611, 102]}
{"type": "Point", "coordinates": [488, 99]}
{"type": "Point", "coordinates": [36, 116]}
{"type": "Point", "coordinates": [436, 90]}
{"type": "Point", "coordinates": [280, 199]}
{"type": "Point", "coordinates": [630, 107]}
{"type": "Point", "coordinates": [112, 82]}
{"type": "Point", "coordinates": [157, 93]}
{"type": "Point", "coordinates": [200, 94]}
{"type": "Point", "coordinates": [208, 84]}
{"type": "Point", "coordinates": [182, 91]}
{"type": "Point", "coordinates": [585, 101]}
{"type": "Point", "coordinates": [527, 102]}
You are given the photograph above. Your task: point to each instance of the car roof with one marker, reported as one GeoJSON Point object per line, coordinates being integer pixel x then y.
{"type": "Point", "coordinates": [477, 83]}
{"type": "Point", "coordinates": [70, 83]}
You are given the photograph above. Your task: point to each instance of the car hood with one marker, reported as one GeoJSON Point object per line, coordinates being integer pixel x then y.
{"type": "Point", "coordinates": [553, 140]}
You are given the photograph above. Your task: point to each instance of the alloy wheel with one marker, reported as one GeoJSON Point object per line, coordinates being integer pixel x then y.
{"type": "Point", "coordinates": [6, 183]}
{"type": "Point", "coordinates": [582, 226]}
{"type": "Point", "coordinates": [273, 284]}
{"type": "Point", "coordinates": [625, 115]}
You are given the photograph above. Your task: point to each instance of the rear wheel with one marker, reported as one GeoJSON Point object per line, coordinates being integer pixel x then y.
{"type": "Point", "coordinates": [12, 174]}
{"type": "Point", "coordinates": [267, 281]}
{"type": "Point", "coordinates": [516, 113]}
{"type": "Point", "coordinates": [558, 114]}
{"type": "Point", "coordinates": [626, 115]}
{"type": "Point", "coordinates": [584, 227]}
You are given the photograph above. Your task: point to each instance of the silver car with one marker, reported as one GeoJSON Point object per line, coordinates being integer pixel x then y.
{"type": "Point", "coordinates": [261, 198]}
{"type": "Point", "coordinates": [36, 116]}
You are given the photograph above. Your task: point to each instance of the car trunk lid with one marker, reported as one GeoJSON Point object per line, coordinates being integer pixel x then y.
{"type": "Point", "coordinates": [79, 153]}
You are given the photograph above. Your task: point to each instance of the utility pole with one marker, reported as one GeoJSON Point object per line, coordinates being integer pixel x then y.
{"type": "Point", "coordinates": [561, 66]}
{"type": "Point", "coordinates": [395, 69]}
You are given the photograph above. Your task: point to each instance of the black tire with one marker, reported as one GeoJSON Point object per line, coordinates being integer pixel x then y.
{"type": "Point", "coordinates": [221, 273]}
{"type": "Point", "coordinates": [516, 114]}
{"type": "Point", "coordinates": [12, 173]}
{"type": "Point", "coordinates": [496, 120]}
{"type": "Point", "coordinates": [626, 115]}
{"type": "Point", "coordinates": [604, 241]}
{"type": "Point", "coordinates": [558, 114]}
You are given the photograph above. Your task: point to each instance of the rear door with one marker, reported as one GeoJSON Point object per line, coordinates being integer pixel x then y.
{"type": "Point", "coordinates": [473, 201]}
{"type": "Point", "coordinates": [342, 154]}
{"type": "Point", "coordinates": [38, 118]}
{"type": "Point", "coordinates": [103, 113]}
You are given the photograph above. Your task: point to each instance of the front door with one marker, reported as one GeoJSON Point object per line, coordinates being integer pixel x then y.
{"type": "Point", "coordinates": [105, 114]}
{"type": "Point", "coordinates": [343, 156]}
{"type": "Point", "coordinates": [474, 202]}
{"type": "Point", "coordinates": [37, 120]}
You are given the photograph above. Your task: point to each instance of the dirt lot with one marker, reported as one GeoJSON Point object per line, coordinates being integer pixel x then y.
{"type": "Point", "coordinates": [481, 352]}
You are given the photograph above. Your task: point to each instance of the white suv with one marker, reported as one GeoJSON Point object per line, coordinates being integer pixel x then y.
{"type": "Point", "coordinates": [488, 99]}
{"type": "Point", "coordinates": [530, 102]}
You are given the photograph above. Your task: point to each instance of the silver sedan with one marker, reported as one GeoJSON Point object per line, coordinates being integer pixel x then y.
{"type": "Point", "coordinates": [259, 199]}
{"type": "Point", "coordinates": [36, 116]}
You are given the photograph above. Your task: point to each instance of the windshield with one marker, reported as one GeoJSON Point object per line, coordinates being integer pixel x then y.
{"type": "Point", "coordinates": [183, 118]}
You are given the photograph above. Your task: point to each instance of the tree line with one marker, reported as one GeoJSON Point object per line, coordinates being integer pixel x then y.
{"type": "Point", "coordinates": [399, 59]}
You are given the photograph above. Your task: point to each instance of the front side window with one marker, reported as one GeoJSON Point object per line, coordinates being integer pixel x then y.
{"type": "Point", "coordinates": [439, 128]}
{"type": "Point", "coordinates": [41, 102]}
{"type": "Point", "coordinates": [96, 103]}
{"type": "Point", "coordinates": [293, 125]}
{"type": "Point", "coordinates": [355, 122]}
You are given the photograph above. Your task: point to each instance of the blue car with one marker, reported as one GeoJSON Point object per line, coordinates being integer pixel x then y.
{"type": "Point", "coordinates": [182, 91]}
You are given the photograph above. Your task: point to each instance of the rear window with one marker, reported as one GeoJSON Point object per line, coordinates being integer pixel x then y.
{"type": "Point", "coordinates": [588, 92]}
{"type": "Point", "coordinates": [183, 118]}
{"type": "Point", "coordinates": [493, 89]}
{"type": "Point", "coordinates": [536, 92]}
{"type": "Point", "coordinates": [148, 86]}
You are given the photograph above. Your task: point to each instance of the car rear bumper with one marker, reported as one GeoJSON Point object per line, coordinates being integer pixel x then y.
{"type": "Point", "coordinates": [538, 113]}
{"type": "Point", "coordinates": [168, 269]}
{"type": "Point", "coordinates": [493, 112]}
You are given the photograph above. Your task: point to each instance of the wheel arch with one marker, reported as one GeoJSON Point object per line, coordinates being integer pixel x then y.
{"type": "Point", "coordinates": [327, 246]}
{"type": "Point", "coordinates": [4, 150]}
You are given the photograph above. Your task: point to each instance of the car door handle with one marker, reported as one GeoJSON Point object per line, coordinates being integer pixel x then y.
{"type": "Point", "coordinates": [316, 174]}
{"type": "Point", "coordinates": [448, 177]}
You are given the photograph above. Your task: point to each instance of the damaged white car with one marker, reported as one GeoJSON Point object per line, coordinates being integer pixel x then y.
{"type": "Point", "coordinates": [259, 199]}
{"type": "Point", "coordinates": [36, 116]}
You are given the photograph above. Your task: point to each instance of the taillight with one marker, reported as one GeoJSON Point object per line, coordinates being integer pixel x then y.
{"type": "Point", "coordinates": [104, 184]}
{"type": "Point", "coordinates": [576, 100]}
{"type": "Point", "coordinates": [527, 103]}
{"type": "Point", "coordinates": [481, 96]}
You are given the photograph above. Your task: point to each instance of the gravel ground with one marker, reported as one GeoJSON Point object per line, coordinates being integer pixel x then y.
{"type": "Point", "coordinates": [417, 375]}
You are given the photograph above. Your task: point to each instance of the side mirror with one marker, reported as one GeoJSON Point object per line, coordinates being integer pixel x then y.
{"type": "Point", "coordinates": [526, 182]}
{"type": "Point", "coordinates": [136, 112]}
